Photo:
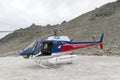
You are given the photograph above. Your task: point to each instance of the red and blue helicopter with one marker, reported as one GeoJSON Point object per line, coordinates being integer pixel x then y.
{"type": "Point", "coordinates": [57, 49]}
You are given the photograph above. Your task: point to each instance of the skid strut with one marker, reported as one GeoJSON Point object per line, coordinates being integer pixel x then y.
{"type": "Point", "coordinates": [40, 63]}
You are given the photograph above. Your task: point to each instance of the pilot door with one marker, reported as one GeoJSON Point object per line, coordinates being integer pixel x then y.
{"type": "Point", "coordinates": [47, 48]}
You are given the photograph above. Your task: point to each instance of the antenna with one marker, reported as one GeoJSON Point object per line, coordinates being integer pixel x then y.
{"type": "Point", "coordinates": [55, 31]}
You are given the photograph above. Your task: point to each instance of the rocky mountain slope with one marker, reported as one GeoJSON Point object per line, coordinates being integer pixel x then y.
{"type": "Point", "coordinates": [104, 19]}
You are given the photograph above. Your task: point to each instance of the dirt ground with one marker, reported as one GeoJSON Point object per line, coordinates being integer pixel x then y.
{"type": "Point", "coordinates": [84, 68]}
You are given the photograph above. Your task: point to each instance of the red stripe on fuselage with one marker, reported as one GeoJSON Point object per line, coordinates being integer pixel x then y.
{"type": "Point", "coordinates": [70, 47]}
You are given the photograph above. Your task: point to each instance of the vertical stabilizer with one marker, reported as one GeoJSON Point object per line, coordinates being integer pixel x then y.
{"type": "Point", "coordinates": [101, 41]}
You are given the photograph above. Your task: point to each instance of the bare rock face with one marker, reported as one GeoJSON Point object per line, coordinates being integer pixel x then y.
{"type": "Point", "coordinates": [118, 0]}
{"type": "Point", "coordinates": [105, 10]}
{"type": "Point", "coordinates": [33, 24]}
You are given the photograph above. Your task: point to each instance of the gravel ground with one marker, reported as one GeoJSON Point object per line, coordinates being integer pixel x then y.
{"type": "Point", "coordinates": [84, 68]}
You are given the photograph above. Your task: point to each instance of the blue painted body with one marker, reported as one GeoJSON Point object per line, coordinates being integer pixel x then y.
{"type": "Point", "coordinates": [55, 48]}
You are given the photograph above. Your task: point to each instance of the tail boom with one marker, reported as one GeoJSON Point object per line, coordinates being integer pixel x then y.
{"type": "Point", "coordinates": [70, 47]}
{"type": "Point", "coordinates": [78, 45]}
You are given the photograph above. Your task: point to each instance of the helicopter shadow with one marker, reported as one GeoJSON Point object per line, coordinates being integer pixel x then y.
{"type": "Point", "coordinates": [48, 66]}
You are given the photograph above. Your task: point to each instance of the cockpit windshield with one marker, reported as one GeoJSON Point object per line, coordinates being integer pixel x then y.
{"type": "Point", "coordinates": [35, 44]}
{"type": "Point", "coordinates": [34, 47]}
{"type": "Point", "coordinates": [31, 46]}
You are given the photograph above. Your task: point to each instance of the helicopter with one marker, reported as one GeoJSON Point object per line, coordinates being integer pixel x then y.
{"type": "Point", "coordinates": [56, 49]}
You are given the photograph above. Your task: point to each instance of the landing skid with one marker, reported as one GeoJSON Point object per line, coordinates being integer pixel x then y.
{"type": "Point", "coordinates": [40, 63]}
{"type": "Point", "coordinates": [44, 61]}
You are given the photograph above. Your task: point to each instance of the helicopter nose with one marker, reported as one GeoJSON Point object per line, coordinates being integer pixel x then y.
{"type": "Point", "coordinates": [22, 53]}
{"type": "Point", "coordinates": [25, 54]}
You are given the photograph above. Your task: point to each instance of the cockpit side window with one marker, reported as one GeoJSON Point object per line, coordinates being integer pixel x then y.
{"type": "Point", "coordinates": [47, 48]}
{"type": "Point", "coordinates": [38, 45]}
